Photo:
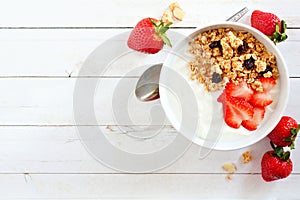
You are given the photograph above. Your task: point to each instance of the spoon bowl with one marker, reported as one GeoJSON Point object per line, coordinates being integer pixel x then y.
{"type": "Point", "coordinates": [147, 88]}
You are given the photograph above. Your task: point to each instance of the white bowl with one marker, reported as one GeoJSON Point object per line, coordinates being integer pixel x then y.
{"type": "Point", "coordinates": [197, 115]}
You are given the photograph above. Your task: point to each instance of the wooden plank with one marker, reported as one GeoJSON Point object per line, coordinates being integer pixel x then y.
{"type": "Point", "coordinates": [60, 150]}
{"type": "Point", "coordinates": [150, 186]}
{"type": "Point", "coordinates": [44, 101]}
{"type": "Point", "coordinates": [62, 52]}
{"type": "Point", "coordinates": [116, 13]}
{"type": "Point", "coordinates": [40, 152]}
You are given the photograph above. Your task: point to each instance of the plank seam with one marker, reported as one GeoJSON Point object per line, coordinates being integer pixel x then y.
{"type": "Point", "coordinates": [137, 174]}
{"type": "Point", "coordinates": [95, 27]}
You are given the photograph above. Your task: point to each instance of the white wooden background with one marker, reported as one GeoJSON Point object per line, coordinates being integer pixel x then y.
{"type": "Point", "coordinates": [41, 156]}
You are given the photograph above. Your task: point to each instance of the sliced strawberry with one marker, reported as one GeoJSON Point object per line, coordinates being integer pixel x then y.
{"type": "Point", "coordinates": [235, 110]}
{"type": "Point", "coordinates": [221, 98]}
{"type": "Point", "coordinates": [258, 116]}
{"type": "Point", "coordinates": [242, 90]}
{"type": "Point", "coordinates": [261, 99]}
{"type": "Point", "coordinates": [267, 83]}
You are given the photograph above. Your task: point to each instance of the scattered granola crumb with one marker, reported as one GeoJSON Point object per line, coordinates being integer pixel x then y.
{"type": "Point", "coordinates": [167, 17]}
{"type": "Point", "coordinates": [228, 177]}
{"type": "Point", "coordinates": [178, 13]}
{"type": "Point", "coordinates": [247, 157]}
{"type": "Point", "coordinates": [229, 167]}
{"type": "Point", "coordinates": [173, 5]}
{"type": "Point", "coordinates": [108, 127]}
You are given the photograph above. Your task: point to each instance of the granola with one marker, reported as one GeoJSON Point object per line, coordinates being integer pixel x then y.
{"type": "Point", "coordinates": [225, 54]}
{"type": "Point", "coordinates": [247, 157]}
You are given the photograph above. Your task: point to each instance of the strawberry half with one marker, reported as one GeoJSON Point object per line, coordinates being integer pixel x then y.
{"type": "Point", "coordinates": [270, 25]}
{"type": "Point", "coordinates": [262, 99]}
{"type": "Point", "coordinates": [241, 90]}
{"type": "Point", "coordinates": [235, 110]}
{"type": "Point", "coordinates": [149, 36]}
{"type": "Point", "coordinates": [258, 116]}
{"type": "Point", "coordinates": [276, 164]}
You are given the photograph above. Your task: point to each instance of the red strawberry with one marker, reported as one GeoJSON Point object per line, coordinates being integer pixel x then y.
{"type": "Point", "coordinates": [276, 164]}
{"type": "Point", "coordinates": [265, 22]}
{"type": "Point", "coordinates": [149, 36]}
{"type": "Point", "coordinates": [262, 99]}
{"type": "Point", "coordinates": [235, 110]}
{"type": "Point", "coordinates": [270, 25]}
{"type": "Point", "coordinates": [242, 90]}
{"type": "Point", "coordinates": [258, 116]}
{"type": "Point", "coordinates": [285, 132]}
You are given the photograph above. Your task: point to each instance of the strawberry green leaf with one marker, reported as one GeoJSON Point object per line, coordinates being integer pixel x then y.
{"type": "Point", "coordinates": [288, 139]}
{"type": "Point", "coordinates": [279, 35]}
{"type": "Point", "coordinates": [286, 156]}
{"type": "Point", "coordinates": [292, 138]}
{"type": "Point", "coordinates": [169, 24]}
{"type": "Point", "coordinates": [166, 40]}
{"type": "Point", "coordinates": [280, 153]}
{"type": "Point", "coordinates": [161, 30]}
{"type": "Point", "coordinates": [153, 22]}
{"type": "Point", "coordinates": [292, 145]}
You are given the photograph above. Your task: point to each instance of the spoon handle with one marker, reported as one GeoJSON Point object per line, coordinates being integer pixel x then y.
{"type": "Point", "coordinates": [238, 15]}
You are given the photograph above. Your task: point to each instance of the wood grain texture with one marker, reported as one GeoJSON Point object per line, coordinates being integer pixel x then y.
{"type": "Point", "coordinates": [59, 150]}
{"type": "Point", "coordinates": [119, 13]}
{"type": "Point", "coordinates": [61, 53]}
{"type": "Point", "coordinates": [150, 186]}
{"type": "Point", "coordinates": [43, 45]}
{"type": "Point", "coordinates": [44, 101]}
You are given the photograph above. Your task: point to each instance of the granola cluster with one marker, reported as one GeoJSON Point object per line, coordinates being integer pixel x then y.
{"type": "Point", "coordinates": [247, 157]}
{"type": "Point", "coordinates": [225, 54]}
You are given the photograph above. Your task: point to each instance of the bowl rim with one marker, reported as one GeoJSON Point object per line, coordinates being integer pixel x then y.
{"type": "Point", "coordinates": [284, 80]}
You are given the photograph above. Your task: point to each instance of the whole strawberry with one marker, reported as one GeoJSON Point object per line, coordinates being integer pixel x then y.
{"type": "Point", "coordinates": [149, 36]}
{"type": "Point", "coordinates": [285, 132]}
{"type": "Point", "coordinates": [276, 164]}
{"type": "Point", "coordinates": [270, 25]}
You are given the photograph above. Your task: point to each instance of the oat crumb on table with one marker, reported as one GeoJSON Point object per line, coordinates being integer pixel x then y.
{"type": "Point", "coordinates": [229, 167]}
{"type": "Point", "coordinates": [174, 11]}
{"type": "Point", "coordinates": [247, 157]}
{"type": "Point", "coordinates": [228, 177]}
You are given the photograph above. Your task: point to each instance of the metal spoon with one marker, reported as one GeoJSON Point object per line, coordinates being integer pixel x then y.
{"type": "Point", "coordinates": [148, 84]}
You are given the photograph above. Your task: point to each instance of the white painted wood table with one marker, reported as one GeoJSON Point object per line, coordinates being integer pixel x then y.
{"type": "Point", "coordinates": [43, 45]}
